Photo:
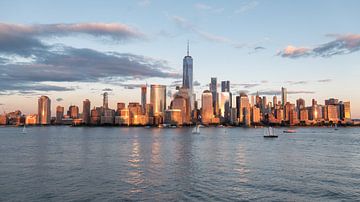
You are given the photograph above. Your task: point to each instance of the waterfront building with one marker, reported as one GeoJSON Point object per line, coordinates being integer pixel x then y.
{"type": "Point", "coordinates": [158, 99]}
{"type": "Point", "coordinates": [173, 117]}
{"type": "Point", "coordinates": [31, 119]}
{"type": "Point", "coordinates": [215, 97]}
{"type": "Point", "coordinates": [107, 117]}
{"type": "Point", "coordinates": [242, 103]}
{"type": "Point", "coordinates": [105, 101]}
{"type": "Point", "coordinates": [332, 113]}
{"type": "Point", "coordinates": [95, 116]}
{"type": "Point", "coordinates": [182, 102]}
{"type": "Point", "coordinates": [206, 107]}
{"type": "Point", "coordinates": [4, 119]}
{"type": "Point", "coordinates": [234, 120]}
{"type": "Point", "coordinates": [143, 98]}
{"type": "Point", "coordinates": [304, 115]}
{"type": "Point", "coordinates": [59, 114]}
{"type": "Point", "coordinates": [73, 112]}
{"type": "Point", "coordinates": [44, 110]}
{"type": "Point", "coordinates": [224, 105]}
{"type": "Point", "coordinates": [119, 107]}
{"type": "Point", "coordinates": [86, 112]}
{"type": "Point", "coordinates": [255, 115]}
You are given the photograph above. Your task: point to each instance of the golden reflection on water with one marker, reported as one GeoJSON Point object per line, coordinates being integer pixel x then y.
{"type": "Point", "coordinates": [241, 164]}
{"type": "Point", "coordinates": [135, 175]}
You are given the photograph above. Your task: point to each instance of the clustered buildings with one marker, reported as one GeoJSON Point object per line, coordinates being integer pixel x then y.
{"type": "Point", "coordinates": [215, 108]}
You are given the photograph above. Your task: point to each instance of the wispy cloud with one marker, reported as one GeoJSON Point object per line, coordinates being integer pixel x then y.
{"type": "Point", "coordinates": [107, 89]}
{"type": "Point", "coordinates": [143, 3]}
{"type": "Point", "coordinates": [246, 6]}
{"type": "Point", "coordinates": [342, 44]}
{"type": "Point", "coordinates": [186, 25]}
{"type": "Point", "coordinates": [324, 80]}
{"type": "Point", "coordinates": [206, 7]}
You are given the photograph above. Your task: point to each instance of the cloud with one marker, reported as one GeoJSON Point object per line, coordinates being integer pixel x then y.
{"type": "Point", "coordinates": [107, 89]}
{"type": "Point", "coordinates": [245, 85]}
{"type": "Point", "coordinates": [278, 92]}
{"type": "Point", "coordinates": [297, 82]}
{"type": "Point", "coordinates": [144, 3]}
{"type": "Point", "coordinates": [186, 25]}
{"type": "Point", "coordinates": [324, 80]}
{"type": "Point", "coordinates": [206, 7]}
{"type": "Point", "coordinates": [342, 44]}
{"type": "Point", "coordinates": [246, 6]}
{"type": "Point", "coordinates": [26, 63]}
{"type": "Point", "coordinates": [295, 52]}
{"type": "Point", "coordinates": [59, 99]}
{"type": "Point", "coordinates": [196, 83]}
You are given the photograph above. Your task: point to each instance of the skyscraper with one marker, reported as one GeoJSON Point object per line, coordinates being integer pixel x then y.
{"type": "Point", "coordinates": [44, 112]}
{"type": "Point", "coordinates": [283, 96]}
{"type": "Point", "coordinates": [242, 105]}
{"type": "Point", "coordinates": [188, 74]}
{"type": "Point", "coordinates": [188, 70]}
{"type": "Point", "coordinates": [59, 114]}
{"type": "Point", "coordinates": [274, 101]}
{"type": "Point", "coordinates": [206, 107]}
{"type": "Point", "coordinates": [143, 98]}
{"type": "Point", "coordinates": [86, 111]}
{"type": "Point", "coordinates": [225, 86]}
{"type": "Point", "coordinates": [213, 90]}
{"type": "Point", "coordinates": [105, 101]}
{"type": "Point", "coordinates": [158, 99]}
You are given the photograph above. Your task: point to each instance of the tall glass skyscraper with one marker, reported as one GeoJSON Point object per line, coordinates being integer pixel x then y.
{"type": "Point", "coordinates": [158, 99]}
{"type": "Point", "coordinates": [44, 112]}
{"type": "Point", "coordinates": [143, 98]}
{"type": "Point", "coordinates": [188, 75]}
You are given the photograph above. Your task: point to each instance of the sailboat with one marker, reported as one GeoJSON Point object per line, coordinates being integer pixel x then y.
{"type": "Point", "coordinates": [196, 129]}
{"type": "Point", "coordinates": [336, 127]}
{"type": "Point", "coordinates": [269, 133]}
{"type": "Point", "coordinates": [24, 130]}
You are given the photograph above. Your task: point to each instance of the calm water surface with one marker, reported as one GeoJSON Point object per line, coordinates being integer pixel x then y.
{"type": "Point", "coordinates": [220, 164]}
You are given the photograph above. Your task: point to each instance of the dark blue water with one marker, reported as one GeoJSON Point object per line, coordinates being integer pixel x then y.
{"type": "Point", "coordinates": [117, 164]}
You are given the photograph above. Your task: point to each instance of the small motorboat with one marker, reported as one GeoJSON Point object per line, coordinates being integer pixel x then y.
{"type": "Point", "coordinates": [269, 133]}
{"type": "Point", "coordinates": [289, 131]}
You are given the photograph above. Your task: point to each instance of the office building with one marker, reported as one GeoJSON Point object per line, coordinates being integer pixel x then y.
{"type": "Point", "coordinates": [206, 107]}
{"type": "Point", "coordinates": [158, 99]}
{"type": "Point", "coordinates": [283, 96]}
{"type": "Point", "coordinates": [86, 112]}
{"type": "Point", "coordinates": [44, 110]}
{"type": "Point", "coordinates": [143, 98]}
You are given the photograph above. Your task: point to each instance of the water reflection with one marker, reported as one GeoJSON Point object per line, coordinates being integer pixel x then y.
{"type": "Point", "coordinates": [135, 174]}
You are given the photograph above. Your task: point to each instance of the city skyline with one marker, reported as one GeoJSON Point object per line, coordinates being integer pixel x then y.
{"type": "Point", "coordinates": [308, 62]}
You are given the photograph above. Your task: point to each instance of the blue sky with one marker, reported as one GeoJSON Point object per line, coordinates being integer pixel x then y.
{"type": "Point", "coordinates": [258, 45]}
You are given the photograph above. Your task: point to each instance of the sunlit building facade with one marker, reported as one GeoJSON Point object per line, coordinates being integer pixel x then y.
{"type": "Point", "coordinates": [44, 110]}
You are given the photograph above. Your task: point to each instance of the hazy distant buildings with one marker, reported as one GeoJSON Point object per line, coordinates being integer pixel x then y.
{"type": "Point", "coordinates": [44, 110]}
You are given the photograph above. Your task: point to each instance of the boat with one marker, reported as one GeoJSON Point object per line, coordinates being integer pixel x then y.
{"type": "Point", "coordinates": [289, 131]}
{"type": "Point", "coordinates": [336, 127]}
{"type": "Point", "coordinates": [196, 130]}
{"type": "Point", "coordinates": [24, 130]}
{"type": "Point", "coordinates": [269, 133]}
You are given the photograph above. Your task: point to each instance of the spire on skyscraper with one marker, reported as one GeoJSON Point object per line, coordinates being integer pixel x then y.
{"type": "Point", "coordinates": [188, 48]}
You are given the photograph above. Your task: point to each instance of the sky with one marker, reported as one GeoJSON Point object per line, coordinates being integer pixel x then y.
{"type": "Point", "coordinates": [74, 50]}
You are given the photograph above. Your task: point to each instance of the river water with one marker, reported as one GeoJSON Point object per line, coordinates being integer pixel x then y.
{"type": "Point", "coordinates": [219, 164]}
